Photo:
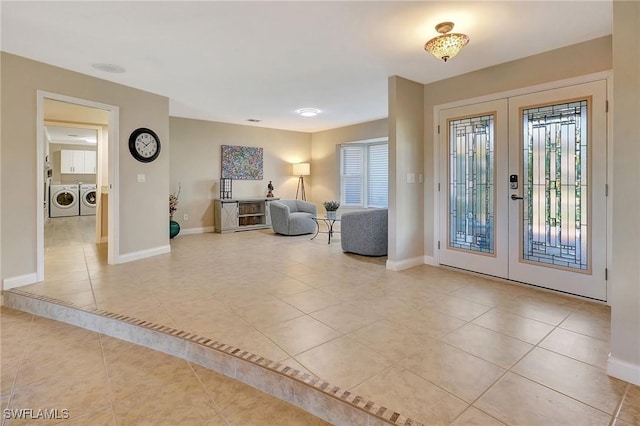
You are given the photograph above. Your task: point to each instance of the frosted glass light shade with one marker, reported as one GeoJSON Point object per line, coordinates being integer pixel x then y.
{"type": "Point", "coordinates": [301, 169]}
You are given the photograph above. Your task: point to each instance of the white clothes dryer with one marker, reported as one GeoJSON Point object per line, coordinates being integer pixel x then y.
{"type": "Point", "coordinates": [88, 199]}
{"type": "Point", "coordinates": [64, 200]}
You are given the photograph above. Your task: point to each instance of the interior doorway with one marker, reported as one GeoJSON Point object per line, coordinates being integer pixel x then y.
{"type": "Point", "coordinates": [523, 189]}
{"type": "Point", "coordinates": [77, 146]}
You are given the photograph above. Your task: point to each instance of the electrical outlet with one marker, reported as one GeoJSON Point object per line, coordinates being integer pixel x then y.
{"type": "Point", "coordinates": [185, 216]}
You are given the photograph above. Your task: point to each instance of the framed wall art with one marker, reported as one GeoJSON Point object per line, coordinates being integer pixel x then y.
{"type": "Point", "coordinates": [241, 162]}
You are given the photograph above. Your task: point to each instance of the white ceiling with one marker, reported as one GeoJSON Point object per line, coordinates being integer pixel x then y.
{"type": "Point", "coordinates": [231, 61]}
{"type": "Point", "coordinates": [71, 135]}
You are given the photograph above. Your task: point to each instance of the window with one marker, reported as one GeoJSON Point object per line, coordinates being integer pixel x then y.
{"type": "Point", "coordinates": [364, 174]}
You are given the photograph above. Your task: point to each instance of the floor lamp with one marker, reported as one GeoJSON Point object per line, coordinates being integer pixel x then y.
{"type": "Point", "coordinates": [301, 170]}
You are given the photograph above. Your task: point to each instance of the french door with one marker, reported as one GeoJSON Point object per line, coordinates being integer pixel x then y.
{"type": "Point", "coordinates": [522, 188]}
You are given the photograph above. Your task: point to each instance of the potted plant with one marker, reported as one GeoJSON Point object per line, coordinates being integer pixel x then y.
{"type": "Point", "coordinates": [174, 227]}
{"type": "Point", "coordinates": [331, 207]}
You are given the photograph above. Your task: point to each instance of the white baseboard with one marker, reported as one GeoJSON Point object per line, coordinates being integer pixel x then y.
{"type": "Point", "coordinates": [399, 265]}
{"type": "Point", "coordinates": [189, 231]}
{"type": "Point", "coordinates": [430, 260]}
{"type": "Point", "coordinates": [623, 370]}
{"type": "Point", "coordinates": [143, 254]}
{"type": "Point", "coordinates": [19, 281]}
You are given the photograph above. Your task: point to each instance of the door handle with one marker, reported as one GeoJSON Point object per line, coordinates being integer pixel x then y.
{"type": "Point", "coordinates": [514, 197]}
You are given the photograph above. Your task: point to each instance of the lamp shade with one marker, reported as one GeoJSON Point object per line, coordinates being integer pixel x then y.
{"type": "Point", "coordinates": [301, 169]}
{"type": "Point", "coordinates": [448, 44]}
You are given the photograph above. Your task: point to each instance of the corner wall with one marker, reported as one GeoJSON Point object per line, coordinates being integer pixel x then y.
{"type": "Point", "coordinates": [406, 153]}
{"type": "Point", "coordinates": [624, 360]}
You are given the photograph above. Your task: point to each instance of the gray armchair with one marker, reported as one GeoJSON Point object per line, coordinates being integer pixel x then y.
{"type": "Point", "coordinates": [365, 232]}
{"type": "Point", "coordinates": [292, 217]}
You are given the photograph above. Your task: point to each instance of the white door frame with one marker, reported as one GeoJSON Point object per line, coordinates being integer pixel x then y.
{"type": "Point", "coordinates": [605, 75]}
{"type": "Point", "coordinates": [113, 238]}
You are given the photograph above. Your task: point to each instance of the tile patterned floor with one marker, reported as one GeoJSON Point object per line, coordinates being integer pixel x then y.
{"type": "Point", "coordinates": [439, 346]}
{"type": "Point", "coordinates": [98, 380]}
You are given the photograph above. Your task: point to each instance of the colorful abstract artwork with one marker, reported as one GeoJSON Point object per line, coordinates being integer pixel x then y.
{"type": "Point", "coordinates": [241, 162]}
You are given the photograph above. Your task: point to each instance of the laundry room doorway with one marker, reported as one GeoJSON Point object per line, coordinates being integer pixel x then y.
{"type": "Point", "coordinates": [76, 142]}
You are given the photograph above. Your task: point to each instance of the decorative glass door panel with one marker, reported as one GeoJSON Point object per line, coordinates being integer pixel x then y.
{"type": "Point", "coordinates": [555, 164]}
{"type": "Point", "coordinates": [471, 160]}
{"type": "Point", "coordinates": [472, 183]}
{"type": "Point", "coordinates": [558, 217]}
{"type": "Point", "coordinates": [522, 188]}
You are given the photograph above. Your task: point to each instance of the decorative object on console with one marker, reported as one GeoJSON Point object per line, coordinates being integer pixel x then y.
{"type": "Point", "coordinates": [225, 188]}
{"type": "Point", "coordinates": [270, 188]}
{"type": "Point", "coordinates": [446, 46]}
{"type": "Point", "coordinates": [241, 162]}
{"type": "Point", "coordinates": [301, 170]}
{"type": "Point", "coordinates": [144, 145]}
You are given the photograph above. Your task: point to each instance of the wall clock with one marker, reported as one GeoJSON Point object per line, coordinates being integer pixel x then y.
{"type": "Point", "coordinates": [144, 145]}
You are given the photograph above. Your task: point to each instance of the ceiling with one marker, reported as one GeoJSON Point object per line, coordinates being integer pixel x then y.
{"type": "Point", "coordinates": [236, 60]}
{"type": "Point", "coordinates": [72, 135]}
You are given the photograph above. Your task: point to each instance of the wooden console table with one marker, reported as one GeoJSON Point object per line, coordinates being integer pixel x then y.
{"type": "Point", "coordinates": [241, 214]}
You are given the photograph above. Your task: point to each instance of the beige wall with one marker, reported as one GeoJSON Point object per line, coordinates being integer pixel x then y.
{"type": "Point", "coordinates": [324, 165]}
{"type": "Point", "coordinates": [572, 61]}
{"type": "Point", "coordinates": [406, 127]}
{"type": "Point", "coordinates": [196, 164]}
{"type": "Point", "coordinates": [625, 263]}
{"type": "Point", "coordinates": [143, 207]}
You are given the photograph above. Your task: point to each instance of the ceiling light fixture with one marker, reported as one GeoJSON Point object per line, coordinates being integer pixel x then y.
{"type": "Point", "coordinates": [112, 68]}
{"type": "Point", "coordinates": [308, 112]}
{"type": "Point", "coordinates": [447, 45]}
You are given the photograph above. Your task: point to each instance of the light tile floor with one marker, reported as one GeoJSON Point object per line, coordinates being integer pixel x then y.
{"type": "Point", "coordinates": [437, 345]}
{"type": "Point", "coordinates": [98, 380]}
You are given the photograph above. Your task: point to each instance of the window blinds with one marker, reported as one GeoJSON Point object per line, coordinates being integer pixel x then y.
{"type": "Point", "coordinates": [378, 176]}
{"type": "Point", "coordinates": [352, 174]}
{"type": "Point", "coordinates": [364, 174]}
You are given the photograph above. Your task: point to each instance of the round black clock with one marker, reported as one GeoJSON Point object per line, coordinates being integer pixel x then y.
{"type": "Point", "coordinates": [144, 145]}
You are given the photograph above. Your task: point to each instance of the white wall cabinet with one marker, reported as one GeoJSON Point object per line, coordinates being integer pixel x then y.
{"type": "Point", "coordinates": [77, 162]}
{"type": "Point", "coordinates": [231, 215]}
{"type": "Point", "coordinates": [90, 158]}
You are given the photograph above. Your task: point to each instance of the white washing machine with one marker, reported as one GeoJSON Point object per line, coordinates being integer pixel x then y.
{"type": "Point", "coordinates": [64, 200]}
{"type": "Point", "coordinates": [88, 199]}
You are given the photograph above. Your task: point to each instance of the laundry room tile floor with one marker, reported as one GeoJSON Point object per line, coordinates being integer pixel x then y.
{"type": "Point", "coordinates": [69, 231]}
{"type": "Point", "coordinates": [540, 357]}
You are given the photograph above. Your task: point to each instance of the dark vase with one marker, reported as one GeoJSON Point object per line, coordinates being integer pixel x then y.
{"type": "Point", "coordinates": [174, 228]}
